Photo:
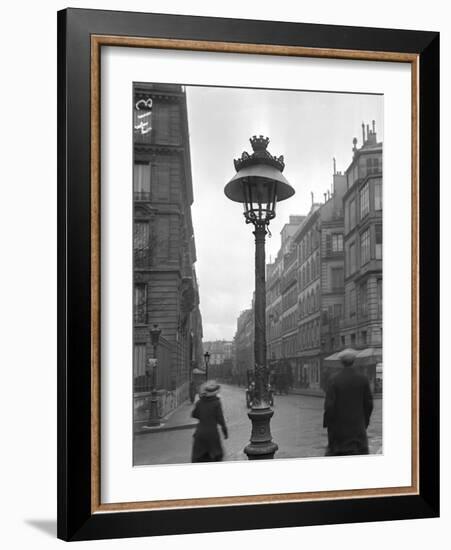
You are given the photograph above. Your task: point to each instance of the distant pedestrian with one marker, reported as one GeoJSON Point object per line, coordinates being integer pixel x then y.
{"type": "Point", "coordinates": [208, 410]}
{"type": "Point", "coordinates": [347, 410]}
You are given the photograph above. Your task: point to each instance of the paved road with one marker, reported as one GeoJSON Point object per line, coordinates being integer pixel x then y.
{"type": "Point", "coordinates": [296, 427]}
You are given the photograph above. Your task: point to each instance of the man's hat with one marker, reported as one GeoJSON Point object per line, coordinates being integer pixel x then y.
{"type": "Point", "coordinates": [347, 356]}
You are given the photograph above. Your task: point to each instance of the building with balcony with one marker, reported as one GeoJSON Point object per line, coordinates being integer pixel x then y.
{"type": "Point", "coordinates": [307, 353]}
{"type": "Point", "coordinates": [362, 204]}
{"type": "Point", "coordinates": [319, 304]}
{"type": "Point", "coordinates": [281, 289]}
{"type": "Point", "coordinates": [165, 284]}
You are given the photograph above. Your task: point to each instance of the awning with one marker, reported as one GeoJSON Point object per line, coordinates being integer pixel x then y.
{"type": "Point", "coordinates": [198, 371]}
{"type": "Point", "coordinates": [364, 357]}
{"type": "Point", "coordinates": [369, 356]}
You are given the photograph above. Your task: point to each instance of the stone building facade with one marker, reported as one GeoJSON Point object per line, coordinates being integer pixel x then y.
{"type": "Point", "coordinates": [307, 357]}
{"type": "Point", "coordinates": [362, 203]}
{"type": "Point", "coordinates": [219, 350]}
{"type": "Point", "coordinates": [165, 284]}
{"type": "Point", "coordinates": [243, 358]}
{"type": "Point", "coordinates": [281, 288]}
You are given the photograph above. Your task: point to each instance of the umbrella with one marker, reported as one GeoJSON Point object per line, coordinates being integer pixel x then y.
{"type": "Point", "coordinates": [334, 360]}
{"type": "Point", "coordinates": [369, 356]}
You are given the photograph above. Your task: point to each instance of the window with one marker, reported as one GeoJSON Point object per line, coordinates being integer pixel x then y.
{"type": "Point", "coordinates": [337, 242]}
{"type": "Point", "coordinates": [140, 303]}
{"type": "Point", "coordinates": [140, 379]}
{"type": "Point", "coordinates": [378, 195]}
{"type": "Point", "coordinates": [363, 300]}
{"type": "Point", "coordinates": [364, 201]}
{"type": "Point", "coordinates": [372, 166]}
{"type": "Point", "coordinates": [352, 259]}
{"type": "Point", "coordinates": [352, 339]}
{"type": "Point", "coordinates": [336, 278]}
{"type": "Point", "coordinates": [162, 183]}
{"type": "Point", "coordinates": [337, 308]}
{"type": "Point", "coordinates": [378, 250]}
{"type": "Point", "coordinates": [141, 181]}
{"type": "Point", "coordinates": [352, 303]}
{"type": "Point", "coordinates": [162, 123]}
{"type": "Point", "coordinates": [364, 337]}
{"type": "Point", "coordinates": [352, 214]}
{"type": "Point", "coordinates": [141, 248]}
{"type": "Point", "coordinates": [379, 298]}
{"type": "Point", "coordinates": [343, 341]}
{"type": "Point", "coordinates": [365, 247]}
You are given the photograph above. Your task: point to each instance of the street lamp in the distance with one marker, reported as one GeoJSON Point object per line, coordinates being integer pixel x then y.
{"type": "Point", "coordinates": [207, 362]}
{"type": "Point", "coordinates": [259, 184]}
{"type": "Point", "coordinates": [154, 419]}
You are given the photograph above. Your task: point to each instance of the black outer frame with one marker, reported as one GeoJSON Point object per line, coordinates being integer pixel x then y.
{"type": "Point", "coordinates": [75, 520]}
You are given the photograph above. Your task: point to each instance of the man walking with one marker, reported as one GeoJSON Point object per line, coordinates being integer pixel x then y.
{"type": "Point", "coordinates": [347, 410]}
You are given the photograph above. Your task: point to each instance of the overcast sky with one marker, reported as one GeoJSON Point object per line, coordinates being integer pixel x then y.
{"type": "Point", "coordinates": [308, 129]}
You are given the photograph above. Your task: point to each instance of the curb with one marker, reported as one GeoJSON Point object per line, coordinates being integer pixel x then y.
{"type": "Point", "coordinates": [162, 428]}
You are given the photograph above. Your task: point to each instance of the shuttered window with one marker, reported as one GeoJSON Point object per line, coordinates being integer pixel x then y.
{"type": "Point", "coordinates": [142, 173]}
{"type": "Point", "coordinates": [378, 231]}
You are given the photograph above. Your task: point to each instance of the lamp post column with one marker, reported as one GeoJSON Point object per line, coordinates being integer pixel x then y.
{"type": "Point", "coordinates": [258, 184]}
{"type": "Point", "coordinates": [261, 445]}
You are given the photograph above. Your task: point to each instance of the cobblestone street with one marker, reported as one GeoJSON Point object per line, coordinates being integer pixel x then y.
{"type": "Point", "coordinates": [296, 427]}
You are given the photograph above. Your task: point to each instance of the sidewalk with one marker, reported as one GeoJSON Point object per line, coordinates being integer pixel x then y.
{"type": "Point", "coordinates": [178, 419]}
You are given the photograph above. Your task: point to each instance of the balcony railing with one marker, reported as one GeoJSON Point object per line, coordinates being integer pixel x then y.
{"type": "Point", "coordinates": [141, 196]}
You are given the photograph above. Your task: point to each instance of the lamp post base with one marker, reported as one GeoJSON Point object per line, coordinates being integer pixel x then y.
{"type": "Point", "coordinates": [261, 446]}
{"type": "Point", "coordinates": [154, 420]}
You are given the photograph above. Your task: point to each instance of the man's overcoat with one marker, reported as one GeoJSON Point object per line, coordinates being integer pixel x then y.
{"type": "Point", "coordinates": [347, 411]}
{"type": "Point", "coordinates": [207, 444]}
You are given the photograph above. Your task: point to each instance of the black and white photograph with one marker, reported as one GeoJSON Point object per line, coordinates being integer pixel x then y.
{"type": "Point", "coordinates": [257, 273]}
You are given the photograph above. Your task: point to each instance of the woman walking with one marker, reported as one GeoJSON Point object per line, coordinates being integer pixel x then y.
{"type": "Point", "coordinates": [208, 410]}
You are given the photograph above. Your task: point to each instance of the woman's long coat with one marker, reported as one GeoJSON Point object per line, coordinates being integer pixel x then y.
{"type": "Point", "coordinates": [347, 412]}
{"type": "Point", "coordinates": [207, 444]}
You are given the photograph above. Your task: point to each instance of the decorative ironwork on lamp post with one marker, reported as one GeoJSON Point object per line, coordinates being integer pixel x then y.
{"type": "Point", "coordinates": [207, 362]}
{"type": "Point", "coordinates": [154, 419]}
{"type": "Point", "coordinates": [258, 185]}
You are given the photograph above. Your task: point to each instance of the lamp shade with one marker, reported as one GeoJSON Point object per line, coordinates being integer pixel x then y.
{"type": "Point", "coordinates": [259, 183]}
{"type": "Point", "coordinates": [260, 176]}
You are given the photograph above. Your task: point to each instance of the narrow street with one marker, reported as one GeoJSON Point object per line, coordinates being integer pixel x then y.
{"type": "Point", "coordinates": [296, 427]}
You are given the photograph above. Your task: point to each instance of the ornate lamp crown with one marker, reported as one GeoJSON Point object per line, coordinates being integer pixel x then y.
{"type": "Point", "coordinates": [259, 156]}
{"type": "Point", "coordinates": [259, 143]}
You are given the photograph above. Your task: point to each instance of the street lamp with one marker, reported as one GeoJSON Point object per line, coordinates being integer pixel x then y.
{"type": "Point", "coordinates": [258, 185]}
{"type": "Point", "coordinates": [154, 420]}
{"type": "Point", "coordinates": [207, 362]}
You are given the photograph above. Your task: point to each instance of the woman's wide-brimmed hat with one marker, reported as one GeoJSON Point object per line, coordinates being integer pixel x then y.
{"type": "Point", "coordinates": [210, 388]}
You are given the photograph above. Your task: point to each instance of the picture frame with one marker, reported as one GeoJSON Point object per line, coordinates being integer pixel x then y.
{"type": "Point", "coordinates": [81, 35]}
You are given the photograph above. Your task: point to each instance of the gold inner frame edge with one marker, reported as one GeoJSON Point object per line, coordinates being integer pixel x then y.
{"type": "Point", "coordinates": [97, 41]}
